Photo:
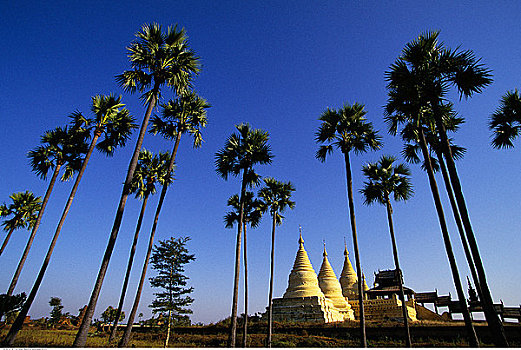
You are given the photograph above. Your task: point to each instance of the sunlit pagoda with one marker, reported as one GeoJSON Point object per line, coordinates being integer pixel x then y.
{"type": "Point", "coordinates": [324, 298]}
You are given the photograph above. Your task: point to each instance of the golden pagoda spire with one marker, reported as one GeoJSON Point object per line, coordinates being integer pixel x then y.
{"type": "Point", "coordinates": [329, 283]}
{"type": "Point", "coordinates": [348, 278]}
{"type": "Point", "coordinates": [303, 280]}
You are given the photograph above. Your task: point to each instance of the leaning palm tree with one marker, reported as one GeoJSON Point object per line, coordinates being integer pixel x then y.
{"type": "Point", "coordinates": [241, 152]}
{"type": "Point", "coordinates": [505, 123]}
{"type": "Point", "coordinates": [348, 130]}
{"type": "Point", "coordinates": [60, 147]}
{"type": "Point", "coordinates": [276, 197]}
{"type": "Point", "coordinates": [23, 212]}
{"type": "Point", "coordinates": [115, 124]}
{"type": "Point", "coordinates": [151, 169]}
{"type": "Point", "coordinates": [252, 216]}
{"type": "Point", "coordinates": [410, 153]}
{"type": "Point", "coordinates": [404, 108]}
{"type": "Point", "coordinates": [156, 58]}
{"type": "Point", "coordinates": [436, 69]}
{"type": "Point", "coordinates": [186, 114]}
{"type": "Point", "coordinates": [386, 180]}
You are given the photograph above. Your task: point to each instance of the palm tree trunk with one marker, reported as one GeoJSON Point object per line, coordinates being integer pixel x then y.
{"type": "Point", "coordinates": [81, 336]}
{"type": "Point", "coordinates": [129, 268]}
{"type": "Point", "coordinates": [169, 327]}
{"type": "Point", "coordinates": [495, 324]}
{"type": "Point", "coordinates": [245, 329]}
{"type": "Point", "coordinates": [270, 300]}
{"type": "Point", "coordinates": [18, 323]}
{"type": "Point", "coordinates": [459, 224]}
{"type": "Point", "coordinates": [363, 339]}
{"type": "Point", "coordinates": [126, 336]}
{"type": "Point", "coordinates": [6, 240]}
{"type": "Point", "coordinates": [471, 333]}
{"type": "Point", "coordinates": [397, 265]}
{"type": "Point", "coordinates": [233, 323]}
{"type": "Point", "coordinates": [14, 281]}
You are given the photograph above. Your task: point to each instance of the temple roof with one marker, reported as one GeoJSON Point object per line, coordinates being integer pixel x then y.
{"type": "Point", "coordinates": [329, 284]}
{"type": "Point", "coordinates": [303, 281]}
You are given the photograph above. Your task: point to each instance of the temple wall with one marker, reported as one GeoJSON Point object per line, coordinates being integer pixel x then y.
{"type": "Point", "coordinates": [308, 309]}
{"type": "Point", "coordinates": [381, 309]}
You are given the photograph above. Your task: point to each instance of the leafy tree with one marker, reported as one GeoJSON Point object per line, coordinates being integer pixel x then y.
{"type": "Point", "coordinates": [186, 114]}
{"type": "Point", "coordinates": [424, 74]}
{"type": "Point", "coordinates": [11, 304]}
{"type": "Point", "coordinates": [241, 152]}
{"type": "Point", "coordinates": [505, 123]}
{"type": "Point", "coordinates": [115, 124]}
{"type": "Point", "coordinates": [111, 315]}
{"type": "Point", "coordinates": [60, 147]}
{"type": "Point", "coordinates": [252, 216]}
{"type": "Point", "coordinates": [23, 212]}
{"type": "Point", "coordinates": [149, 171]}
{"type": "Point", "coordinates": [386, 180]}
{"type": "Point", "coordinates": [168, 259]}
{"type": "Point", "coordinates": [157, 58]}
{"type": "Point", "coordinates": [56, 311]}
{"type": "Point", "coordinates": [348, 130]}
{"type": "Point", "coordinates": [275, 198]}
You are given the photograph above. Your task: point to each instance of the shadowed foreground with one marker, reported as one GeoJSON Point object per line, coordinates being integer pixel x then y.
{"type": "Point", "coordinates": [386, 334]}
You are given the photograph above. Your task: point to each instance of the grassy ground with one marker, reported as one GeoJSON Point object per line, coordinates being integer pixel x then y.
{"type": "Point", "coordinates": [64, 338]}
{"type": "Point", "coordinates": [294, 336]}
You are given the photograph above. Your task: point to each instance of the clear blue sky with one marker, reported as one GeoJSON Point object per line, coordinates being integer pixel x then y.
{"type": "Point", "coordinates": [276, 65]}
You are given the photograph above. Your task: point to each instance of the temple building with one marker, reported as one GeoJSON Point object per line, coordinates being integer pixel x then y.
{"type": "Point", "coordinates": [324, 298]}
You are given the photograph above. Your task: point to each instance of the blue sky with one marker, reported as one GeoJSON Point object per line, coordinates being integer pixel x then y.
{"type": "Point", "coordinates": [276, 65]}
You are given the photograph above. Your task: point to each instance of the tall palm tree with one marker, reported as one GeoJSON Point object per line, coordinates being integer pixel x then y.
{"type": "Point", "coordinates": [241, 152]}
{"type": "Point", "coordinates": [505, 123]}
{"type": "Point", "coordinates": [276, 197]}
{"type": "Point", "coordinates": [348, 130]}
{"type": "Point", "coordinates": [23, 211]}
{"type": "Point", "coordinates": [404, 107]}
{"type": "Point", "coordinates": [386, 180]}
{"type": "Point", "coordinates": [151, 169]}
{"type": "Point", "coordinates": [186, 114]}
{"type": "Point", "coordinates": [252, 216]}
{"type": "Point", "coordinates": [60, 147]}
{"type": "Point", "coordinates": [410, 152]}
{"type": "Point", "coordinates": [156, 58]}
{"type": "Point", "coordinates": [115, 124]}
{"type": "Point", "coordinates": [436, 69]}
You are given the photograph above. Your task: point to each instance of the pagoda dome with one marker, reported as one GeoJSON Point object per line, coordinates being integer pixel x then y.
{"type": "Point", "coordinates": [348, 278]}
{"type": "Point", "coordinates": [329, 284]}
{"type": "Point", "coordinates": [303, 280]}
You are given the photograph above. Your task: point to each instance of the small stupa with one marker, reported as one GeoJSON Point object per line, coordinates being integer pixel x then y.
{"type": "Point", "coordinates": [329, 283]}
{"type": "Point", "coordinates": [348, 278]}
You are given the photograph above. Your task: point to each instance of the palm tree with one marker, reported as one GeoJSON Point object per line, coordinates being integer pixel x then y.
{"type": "Point", "coordinates": [156, 59]}
{"type": "Point", "coordinates": [385, 180]}
{"type": "Point", "coordinates": [412, 147]}
{"type": "Point", "coordinates": [151, 169]}
{"type": "Point", "coordinates": [252, 216]}
{"type": "Point", "coordinates": [241, 152]}
{"type": "Point", "coordinates": [23, 210]}
{"type": "Point", "coordinates": [505, 123]}
{"type": "Point", "coordinates": [348, 130]}
{"type": "Point", "coordinates": [60, 147]}
{"type": "Point", "coordinates": [276, 197]}
{"type": "Point", "coordinates": [404, 107]}
{"type": "Point", "coordinates": [115, 125]}
{"type": "Point", "coordinates": [436, 69]}
{"type": "Point", "coordinates": [186, 114]}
